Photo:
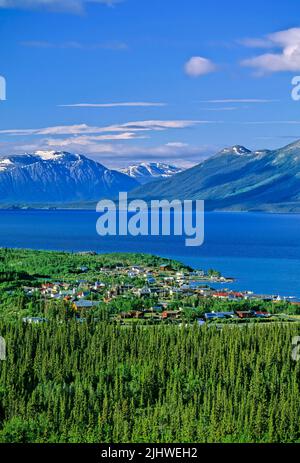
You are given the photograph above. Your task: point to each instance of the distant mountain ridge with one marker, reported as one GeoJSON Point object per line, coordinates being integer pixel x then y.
{"type": "Point", "coordinates": [237, 179]}
{"type": "Point", "coordinates": [58, 176]}
{"type": "Point", "coordinates": [149, 171]}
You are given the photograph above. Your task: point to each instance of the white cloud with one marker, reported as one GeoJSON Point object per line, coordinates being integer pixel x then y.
{"type": "Point", "coordinates": [199, 66]}
{"type": "Point", "coordinates": [112, 105]}
{"type": "Point", "coordinates": [286, 59]}
{"type": "Point", "coordinates": [241, 100]}
{"type": "Point", "coordinates": [272, 122]}
{"type": "Point", "coordinates": [117, 154]}
{"type": "Point", "coordinates": [81, 129]}
{"type": "Point", "coordinates": [176, 144]}
{"type": "Point", "coordinates": [256, 43]}
{"type": "Point", "coordinates": [114, 45]}
{"type": "Point", "coordinates": [224, 108]}
{"type": "Point", "coordinates": [114, 145]}
{"type": "Point", "coordinates": [71, 6]}
{"type": "Point", "coordinates": [84, 140]}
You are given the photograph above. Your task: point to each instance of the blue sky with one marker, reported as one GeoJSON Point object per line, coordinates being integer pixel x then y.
{"type": "Point", "coordinates": [139, 80]}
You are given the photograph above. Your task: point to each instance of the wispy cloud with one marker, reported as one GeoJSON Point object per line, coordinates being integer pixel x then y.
{"type": "Point", "coordinates": [291, 122]}
{"type": "Point", "coordinates": [256, 43]}
{"type": "Point", "coordinates": [113, 145]}
{"type": "Point", "coordinates": [198, 66]}
{"type": "Point", "coordinates": [114, 45]}
{"type": "Point", "coordinates": [240, 100]}
{"type": "Point", "coordinates": [112, 105]}
{"type": "Point", "coordinates": [70, 6]}
{"type": "Point", "coordinates": [118, 154]}
{"type": "Point", "coordinates": [281, 137]}
{"type": "Point", "coordinates": [224, 108]}
{"type": "Point", "coordinates": [286, 59]}
{"type": "Point", "coordinates": [81, 129]}
{"type": "Point", "coordinates": [176, 144]}
{"type": "Point", "coordinates": [86, 140]}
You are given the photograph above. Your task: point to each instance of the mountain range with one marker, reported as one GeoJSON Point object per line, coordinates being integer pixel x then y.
{"type": "Point", "coordinates": [54, 176]}
{"type": "Point", "coordinates": [238, 179]}
{"type": "Point", "coordinates": [235, 179]}
{"type": "Point", "coordinates": [150, 171]}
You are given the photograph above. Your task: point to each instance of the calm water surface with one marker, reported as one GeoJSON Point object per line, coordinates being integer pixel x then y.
{"type": "Point", "coordinates": [262, 251]}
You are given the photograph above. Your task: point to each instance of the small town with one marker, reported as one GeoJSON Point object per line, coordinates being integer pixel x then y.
{"type": "Point", "coordinates": [162, 293]}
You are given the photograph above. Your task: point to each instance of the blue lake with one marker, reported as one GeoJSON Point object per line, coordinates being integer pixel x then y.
{"type": "Point", "coordinates": [262, 251]}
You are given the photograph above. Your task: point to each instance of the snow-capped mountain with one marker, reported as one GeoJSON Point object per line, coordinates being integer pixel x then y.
{"type": "Point", "coordinates": [237, 179]}
{"type": "Point", "coordinates": [147, 172]}
{"type": "Point", "coordinates": [58, 176]}
{"type": "Point", "coordinates": [236, 149]}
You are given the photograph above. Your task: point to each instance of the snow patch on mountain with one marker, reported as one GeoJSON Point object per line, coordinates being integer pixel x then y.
{"type": "Point", "coordinates": [147, 172]}
{"type": "Point", "coordinates": [58, 176]}
{"type": "Point", "coordinates": [236, 149]}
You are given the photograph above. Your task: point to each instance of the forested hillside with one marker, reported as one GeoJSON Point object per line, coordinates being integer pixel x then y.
{"type": "Point", "coordinates": [121, 348]}
{"type": "Point", "coordinates": [75, 382]}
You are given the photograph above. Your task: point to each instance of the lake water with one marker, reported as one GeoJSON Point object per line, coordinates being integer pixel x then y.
{"type": "Point", "coordinates": [262, 251]}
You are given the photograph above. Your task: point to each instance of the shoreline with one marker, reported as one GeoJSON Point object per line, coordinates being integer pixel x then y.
{"type": "Point", "coordinates": [263, 269]}
{"type": "Point", "coordinates": [89, 209]}
{"type": "Point", "coordinates": [198, 279]}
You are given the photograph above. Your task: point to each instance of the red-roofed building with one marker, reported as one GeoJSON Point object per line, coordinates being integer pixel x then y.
{"type": "Point", "coordinates": [244, 314]}
{"type": "Point", "coordinates": [221, 295]}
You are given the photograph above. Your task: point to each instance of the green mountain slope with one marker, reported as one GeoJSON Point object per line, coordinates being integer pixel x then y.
{"type": "Point", "coordinates": [237, 179]}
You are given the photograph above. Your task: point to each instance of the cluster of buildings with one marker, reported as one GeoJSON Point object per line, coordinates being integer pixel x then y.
{"type": "Point", "coordinates": [239, 314]}
{"type": "Point", "coordinates": [162, 283]}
